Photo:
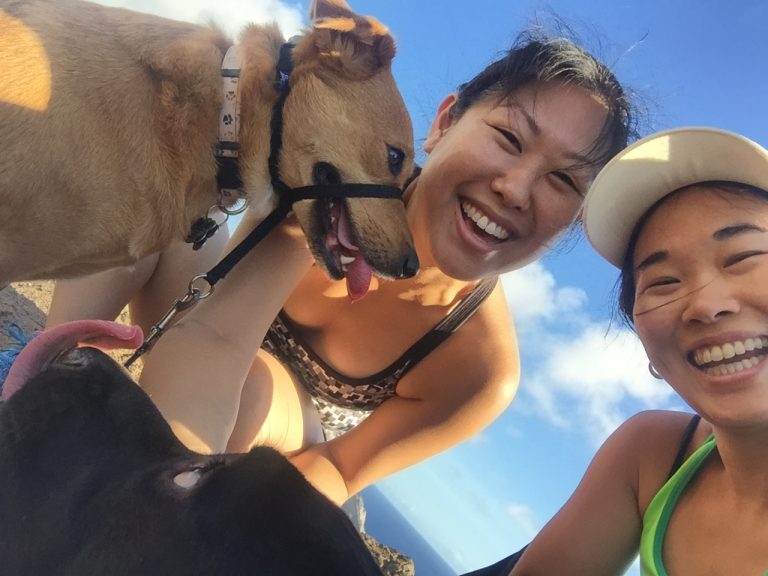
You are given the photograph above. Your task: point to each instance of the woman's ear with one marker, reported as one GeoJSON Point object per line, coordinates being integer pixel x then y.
{"type": "Point", "coordinates": [441, 123]}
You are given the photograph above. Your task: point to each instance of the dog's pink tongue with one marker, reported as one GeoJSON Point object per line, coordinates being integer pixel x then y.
{"type": "Point", "coordinates": [44, 347]}
{"type": "Point", "coordinates": [358, 278]}
{"type": "Point", "coordinates": [359, 272]}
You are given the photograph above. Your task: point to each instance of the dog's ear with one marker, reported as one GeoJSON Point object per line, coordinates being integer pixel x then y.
{"type": "Point", "coordinates": [344, 43]}
{"type": "Point", "coordinates": [329, 9]}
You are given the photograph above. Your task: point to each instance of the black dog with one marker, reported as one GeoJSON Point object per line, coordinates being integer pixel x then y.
{"type": "Point", "coordinates": [93, 482]}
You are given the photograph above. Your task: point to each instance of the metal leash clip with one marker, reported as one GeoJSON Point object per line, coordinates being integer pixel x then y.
{"type": "Point", "coordinates": [230, 203]}
{"type": "Point", "coordinates": [192, 297]}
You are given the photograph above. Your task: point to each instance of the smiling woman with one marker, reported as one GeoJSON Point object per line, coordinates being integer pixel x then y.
{"type": "Point", "coordinates": [530, 152]}
{"type": "Point", "coordinates": [691, 237]}
{"type": "Point", "coordinates": [699, 268]}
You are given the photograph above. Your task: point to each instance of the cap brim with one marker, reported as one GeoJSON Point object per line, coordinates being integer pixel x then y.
{"type": "Point", "coordinates": [657, 165]}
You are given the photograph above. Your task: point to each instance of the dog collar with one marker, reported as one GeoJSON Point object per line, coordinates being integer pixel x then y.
{"type": "Point", "coordinates": [229, 120]}
{"type": "Point", "coordinates": [232, 197]}
{"type": "Point", "coordinates": [228, 146]}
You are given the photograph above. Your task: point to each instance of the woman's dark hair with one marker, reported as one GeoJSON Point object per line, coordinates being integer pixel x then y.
{"type": "Point", "coordinates": [626, 283]}
{"type": "Point", "coordinates": [535, 58]}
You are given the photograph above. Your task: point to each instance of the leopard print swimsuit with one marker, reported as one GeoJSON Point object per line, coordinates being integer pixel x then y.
{"type": "Point", "coordinates": [343, 402]}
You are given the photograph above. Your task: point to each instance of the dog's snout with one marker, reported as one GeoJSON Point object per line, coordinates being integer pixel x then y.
{"type": "Point", "coordinates": [410, 266]}
{"type": "Point", "coordinates": [324, 173]}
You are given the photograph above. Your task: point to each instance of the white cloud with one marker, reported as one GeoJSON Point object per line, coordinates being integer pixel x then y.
{"type": "Point", "coordinates": [523, 517]}
{"type": "Point", "coordinates": [575, 371]}
{"type": "Point", "coordinates": [229, 15]}
{"type": "Point", "coordinates": [592, 377]}
{"type": "Point", "coordinates": [533, 296]}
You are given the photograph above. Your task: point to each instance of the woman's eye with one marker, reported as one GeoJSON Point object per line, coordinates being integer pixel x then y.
{"type": "Point", "coordinates": [741, 256]}
{"type": "Point", "coordinates": [570, 182]}
{"type": "Point", "coordinates": [511, 138]}
{"type": "Point", "coordinates": [660, 282]}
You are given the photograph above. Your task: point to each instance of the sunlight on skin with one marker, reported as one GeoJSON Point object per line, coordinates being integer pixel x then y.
{"type": "Point", "coordinates": [189, 438]}
{"type": "Point", "coordinates": [25, 76]}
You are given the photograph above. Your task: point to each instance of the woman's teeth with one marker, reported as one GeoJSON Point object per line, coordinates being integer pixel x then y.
{"type": "Point", "coordinates": [741, 353]}
{"type": "Point", "coordinates": [483, 222]}
{"type": "Point", "coordinates": [732, 367]}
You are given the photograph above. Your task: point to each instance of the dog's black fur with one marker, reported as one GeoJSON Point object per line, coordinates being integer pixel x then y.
{"type": "Point", "coordinates": [86, 488]}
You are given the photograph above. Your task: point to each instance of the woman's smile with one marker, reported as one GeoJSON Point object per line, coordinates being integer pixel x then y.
{"type": "Point", "coordinates": [730, 357]}
{"type": "Point", "coordinates": [484, 223]}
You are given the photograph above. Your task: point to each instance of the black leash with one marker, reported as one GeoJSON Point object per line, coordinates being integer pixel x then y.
{"type": "Point", "coordinates": [287, 197]}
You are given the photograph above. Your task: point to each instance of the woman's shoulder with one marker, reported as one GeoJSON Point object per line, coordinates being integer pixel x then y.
{"type": "Point", "coordinates": [658, 439]}
{"type": "Point", "coordinates": [486, 329]}
{"type": "Point", "coordinates": [494, 319]}
{"type": "Point", "coordinates": [657, 422]}
{"type": "Point", "coordinates": [653, 434]}
{"type": "Point", "coordinates": [479, 359]}
{"type": "Point", "coordinates": [493, 326]}
{"type": "Point", "coordinates": [646, 437]}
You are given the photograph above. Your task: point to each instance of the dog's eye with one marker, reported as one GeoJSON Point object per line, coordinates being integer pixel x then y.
{"type": "Point", "coordinates": [395, 157]}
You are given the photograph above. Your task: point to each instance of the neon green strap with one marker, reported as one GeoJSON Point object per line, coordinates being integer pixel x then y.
{"type": "Point", "coordinates": [658, 513]}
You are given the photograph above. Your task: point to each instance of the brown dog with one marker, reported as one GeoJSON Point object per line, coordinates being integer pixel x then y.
{"type": "Point", "coordinates": [109, 120]}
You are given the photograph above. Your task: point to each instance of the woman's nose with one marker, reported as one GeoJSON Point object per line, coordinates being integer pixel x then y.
{"type": "Point", "coordinates": [515, 186]}
{"type": "Point", "coordinates": [710, 302]}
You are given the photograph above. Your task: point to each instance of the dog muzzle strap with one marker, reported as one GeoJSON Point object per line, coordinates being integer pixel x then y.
{"type": "Point", "coordinates": [287, 197]}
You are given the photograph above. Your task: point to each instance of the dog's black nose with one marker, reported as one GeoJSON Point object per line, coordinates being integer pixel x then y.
{"type": "Point", "coordinates": [410, 266]}
{"type": "Point", "coordinates": [324, 173]}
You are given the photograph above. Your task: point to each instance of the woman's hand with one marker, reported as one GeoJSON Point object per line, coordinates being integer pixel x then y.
{"type": "Point", "coordinates": [317, 465]}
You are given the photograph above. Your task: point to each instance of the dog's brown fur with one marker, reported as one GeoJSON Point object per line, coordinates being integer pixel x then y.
{"type": "Point", "coordinates": [108, 120]}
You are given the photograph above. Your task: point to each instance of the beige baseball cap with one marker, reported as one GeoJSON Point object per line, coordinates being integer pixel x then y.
{"type": "Point", "coordinates": [657, 165]}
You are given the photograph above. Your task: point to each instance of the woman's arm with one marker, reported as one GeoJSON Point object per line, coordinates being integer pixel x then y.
{"type": "Point", "coordinates": [150, 286]}
{"type": "Point", "coordinates": [196, 371]}
{"type": "Point", "coordinates": [452, 394]}
{"type": "Point", "coordinates": [597, 532]}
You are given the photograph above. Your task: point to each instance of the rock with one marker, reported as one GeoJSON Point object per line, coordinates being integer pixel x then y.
{"type": "Point", "coordinates": [391, 562]}
{"type": "Point", "coordinates": [18, 305]}
{"type": "Point", "coordinates": [355, 509]}
{"type": "Point", "coordinates": [27, 304]}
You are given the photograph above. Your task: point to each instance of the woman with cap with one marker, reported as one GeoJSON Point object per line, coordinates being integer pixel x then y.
{"type": "Point", "coordinates": [684, 214]}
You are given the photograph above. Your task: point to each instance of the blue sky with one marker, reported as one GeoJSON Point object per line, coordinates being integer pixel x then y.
{"type": "Point", "coordinates": [693, 62]}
